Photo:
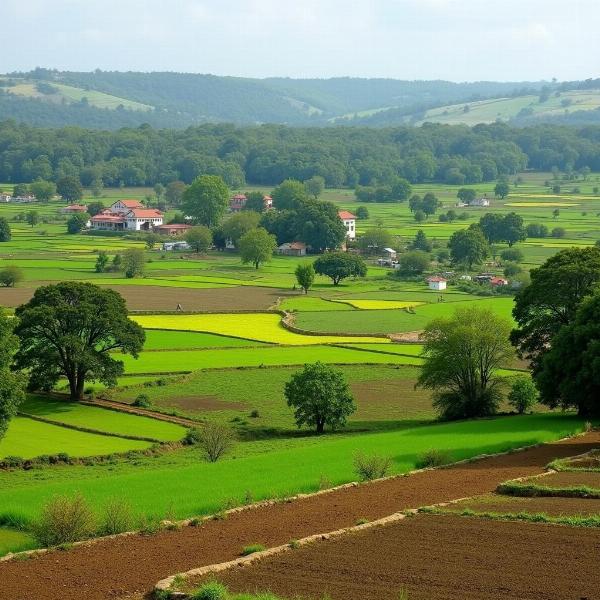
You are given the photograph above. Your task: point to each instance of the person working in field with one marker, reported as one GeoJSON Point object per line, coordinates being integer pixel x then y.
{"type": "Point", "coordinates": [179, 308]}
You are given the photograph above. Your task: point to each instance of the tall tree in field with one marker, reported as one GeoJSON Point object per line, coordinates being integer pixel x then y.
{"type": "Point", "coordinates": [305, 276]}
{"type": "Point", "coordinates": [468, 246]}
{"type": "Point", "coordinates": [551, 300]}
{"type": "Point", "coordinates": [257, 246]}
{"type": "Point", "coordinates": [314, 186]}
{"type": "Point", "coordinates": [319, 226]}
{"type": "Point", "coordinates": [174, 192]}
{"type": "Point", "coordinates": [502, 189]}
{"type": "Point", "coordinates": [69, 188]}
{"type": "Point", "coordinates": [462, 354]}
{"type": "Point", "coordinates": [133, 262]}
{"type": "Point", "coordinates": [12, 384]}
{"type": "Point", "coordinates": [206, 200]}
{"type": "Point", "coordinates": [492, 224]}
{"type": "Point", "coordinates": [289, 195]}
{"type": "Point", "coordinates": [319, 396]}
{"type": "Point", "coordinates": [72, 330]}
{"type": "Point", "coordinates": [77, 222]}
{"type": "Point", "coordinates": [239, 224]}
{"type": "Point", "coordinates": [340, 265]}
{"type": "Point", "coordinates": [513, 228]}
{"type": "Point", "coordinates": [32, 217]}
{"type": "Point", "coordinates": [43, 190]}
{"type": "Point", "coordinates": [5, 233]}
{"type": "Point", "coordinates": [466, 195]}
{"type": "Point", "coordinates": [199, 238]}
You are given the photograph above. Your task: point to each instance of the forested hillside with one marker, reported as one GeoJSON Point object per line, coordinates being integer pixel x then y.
{"type": "Point", "coordinates": [268, 154]}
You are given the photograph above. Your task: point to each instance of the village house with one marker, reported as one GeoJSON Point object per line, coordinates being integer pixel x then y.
{"type": "Point", "coordinates": [437, 283]}
{"type": "Point", "coordinates": [127, 215]}
{"type": "Point", "coordinates": [238, 202]}
{"type": "Point", "coordinates": [73, 209]}
{"type": "Point", "coordinates": [482, 202]}
{"type": "Point", "coordinates": [292, 249]}
{"type": "Point", "coordinates": [5, 197]}
{"type": "Point", "coordinates": [498, 281]}
{"type": "Point", "coordinates": [349, 221]}
{"type": "Point", "coordinates": [174, 229]}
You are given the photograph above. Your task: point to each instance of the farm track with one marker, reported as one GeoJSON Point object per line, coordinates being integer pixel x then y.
{"type": "Point", "coordinates": [128, 566]}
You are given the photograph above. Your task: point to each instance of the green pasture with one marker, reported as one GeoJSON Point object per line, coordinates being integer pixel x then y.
{"type": "Point", "coordinates": [13, 540]}
{"type": "Point", "coordinates": [101, 419]}
{"type": "Point", "coordinates": [191, 340]}
{"type": "Point", "coordinates": [185, 485]}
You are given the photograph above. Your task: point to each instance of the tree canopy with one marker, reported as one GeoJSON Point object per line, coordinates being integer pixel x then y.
{"type": "Point", "coordinates": [257, 246]}
{"type": "Point", "coordinates": [340, 265]}
{"type": "Point", "coordinates": [305, 276]}
{"type": "Point", "coordinates": [73, 330]}
{"type": "Point", "coordinates": [69, 188]}
{"type": "Point", "coordinates": [206, 200]}
{"type": "Point", "coordinates": [468, 246]}
{"type": "Point", "coordinates": [199, 238]}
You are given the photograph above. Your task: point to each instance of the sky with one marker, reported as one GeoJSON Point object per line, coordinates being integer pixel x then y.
{"type": "Point", "coordinates": [457, 40]}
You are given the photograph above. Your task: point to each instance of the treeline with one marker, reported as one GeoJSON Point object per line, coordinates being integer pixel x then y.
{"type": "Point", "coordinates": [269, 154]}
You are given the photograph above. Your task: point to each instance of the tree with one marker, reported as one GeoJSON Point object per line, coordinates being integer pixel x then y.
{"type": "Point", "coordinates": [95, 208]}
{"type": "Point", "coordinates": [12, 385]}
{"type": "Point", "coordinates": [340, 265]}
{"type": "Point", "coordinates": [199, 238]}
{"type": "Point", "coordinates": [320, 397]}
{"type": "Point", "coordinates": [314, 186]}
{"type": "Point", "coordinates": [401, 189]}
{"type": "Point", "coordinates": [72, 330]}
{"type": "Point", "coordinates": [134, 261]}
{"type": "Point", "coordinates": [239, 224]}
{"type": "Point", "coordinates": [257, 246]}
{"type": "Point", "coordinates": [374, 240]}
{"type": "Point", "coordinates": [32, 217]}
{"type": "Point", "coordinates": [362, 212]}
{"type": "Point", "coordinates": [305, 276]}
{"type": "Point", "coordinates": [69, 188]}
{"type": "Point", "coordinates": [5, 233]}
{"type": "Point", "coordinates": [523, 394]}
{"type": "Point", "coordinates": [151, 240]}
{"type": "Point", "coordinates": [513, 230]}
{"type": "Point", "coordinates": [117, 262]}
{"type": "Point", "coordinates": [43, 190]}
{"type": "Point", "coordinates": [420, 216]}
{"type": "Point", "coordinates": [430, 203]}
{"type": "Point", "coordinates": [502, 189]}
{"type": "Point", "coordinates": [415, 203]}
{"type": "Point", "coordinates": [159, 190]}
{"type": "Point", "coordinates": [555, 213]}
{"type": "Point", "coordinates": [468, 246]}
{"type": "Point", "coordinates": [536, 230]}
{"type": "Point", "coordinates": [97, 187]}
{"type": "Point", "coordinates": [569, 371]}
{"type": "Point", "coordinates": [21, 190]}
{"type": "Point", "coordinates": [466, 195]}
{"type": "Point", "coordinates": [318, 225]}
{"type": "Point", "coordinates": [174, 192]}
{"type": "Point", "coordinates": [558, 232]}
{"type": "Point", "coordinates": [77, 222]}
{"type": "Point", "coordinates": [289, 195]}
{"type": "Point", "coordinates": [255, 201]}
{"type": "Point", "coordinates": [512, 254]}
{"type": "Point", "coordinates": [101, 262]}
{"type": "Point", "coordinates": [206, 200]}
{"type": "Point", "coordinates": [492, 226]}
{"type": "Point", "coordinates": [421, 242]}
{"type": "Point", "coordinates": [414, 262]}
{"type": "Point", "coordinates": [10, 275]}
{"type": "Point", "coordinates": [461, 356]}
{"type": "Point", "coordinates": [551, 300]}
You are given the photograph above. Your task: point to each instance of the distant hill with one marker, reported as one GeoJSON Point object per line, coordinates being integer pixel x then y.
{"type": "Point", "coordinates": [110, 100]}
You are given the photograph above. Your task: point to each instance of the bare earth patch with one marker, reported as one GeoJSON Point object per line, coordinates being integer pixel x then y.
{"type": "Point", "coordinates": [568, 479]}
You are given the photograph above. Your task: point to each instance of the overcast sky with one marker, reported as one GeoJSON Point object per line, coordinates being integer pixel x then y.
{"type": "Point", "coordinates": [459, 40]}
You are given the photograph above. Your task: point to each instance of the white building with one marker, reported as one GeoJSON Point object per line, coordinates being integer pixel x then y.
{"type": "Point", "coordinates": [5, 197]}
{"type": "Point", "coordinates": [349, 221]}
{"type": "Point", "coordinates": [480, 202]}
{"type": "Point", "coordinates": [437, 283]}
{"type": "Point", "coordinates": [127, 215]}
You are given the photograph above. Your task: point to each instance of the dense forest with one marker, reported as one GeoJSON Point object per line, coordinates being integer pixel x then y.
{"type": "Point", "coordinates": [268, 154]}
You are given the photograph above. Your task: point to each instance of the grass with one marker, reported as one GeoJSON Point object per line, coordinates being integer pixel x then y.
{"type": "Point", "coordinates": [185, 340]}
{"type": "Point", "coordinates": [28, 439]}
{"type": "Point", "coordinates": [531, 490]}
{"type": "Point", "coordinates": [380, 304]}
{"type": "Point", "coordinates": [101, 419]}
{"type": "Point", "coordinates": [186, 485]}
{"type": "Point", "coordinates": [13, 540]}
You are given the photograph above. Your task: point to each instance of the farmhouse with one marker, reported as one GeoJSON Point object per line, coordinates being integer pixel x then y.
{"type": "Point", "coordinates": [174, 229]}
{"type": "Point", "coordinates": [73, 208]}
{"type": "Point", "coordinates": [292, 249]}
{"type": "Point", "coordinates": [480, 202]}
{"type": "Point", "coordinates": [498, 281]}
{"type": "Point", "coordinates": [437, 283]}
{"type": "Point", "coordinates": [349, 221]}
{"type": "Point", "coordinates": [5, 197]}
{"type": "Point", "coordinates": [238, 202]}
{"type": "Point", "coordinates": [127, 215]}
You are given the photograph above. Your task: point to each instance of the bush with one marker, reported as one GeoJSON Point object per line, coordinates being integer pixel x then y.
{"type": "Point", "coordinates": [511, 269]}
{"type": "Point", "coordinates": [371, 467]}
{"type": "Point", "coordinates": [559, 232]}
{"type": "Point", "coordinates": [511, 255]}
{"type": "Point", "coordinates": [211, 591]}
{"type": "Point", "coordinates": [142, 401]}
{"type": "Point", "coordinates": [192, 436]}
{"type": "Point", "coordinates": [116, 518]}
{"type": "Point", "coordinates": [523, 394]}
{"type": "Point", "coordinates": [252, 549]}
{"type": "Point", "coordinates": [413, 262]}
{"type": "Point", "coordinates": [432, 458]}
{"type": "Point", "coordinates": [64, 520]}
{"type": "Point", "coordinates": [10, 276]}
{"type": "Point", "coordinates": [215, 440]}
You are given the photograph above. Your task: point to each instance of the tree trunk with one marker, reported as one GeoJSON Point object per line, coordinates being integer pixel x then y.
{"type": "Point", "coordinates": [320, 426]}
{"type": "Point", "coordinates": [79, 388]}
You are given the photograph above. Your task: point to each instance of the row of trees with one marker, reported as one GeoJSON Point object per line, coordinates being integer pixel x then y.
{"type": "Point", "coordinates": [342, 156]}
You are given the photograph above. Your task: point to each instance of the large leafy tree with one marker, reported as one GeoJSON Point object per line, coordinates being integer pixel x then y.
{"type": "Point", "coordinates": [305, 276]}
{"type": "Point", "coordinates": [569, 372]}
{"type": "Point", "coordinates": [199, 238]}
{"type": "Point", "coordinates": [319, 396]}
{"type": "Point", "coordinates": [206, 200]}
{"type": "Point", "coordinates": [12, 384]}
{"type": "Point", "coordinates": [461, 356]}
{"type": "Point", "coordinates": [43, 190]}
{"type": "Point", "coordinates": [319, 226]}
{"type": "Point", "coordinates": [340, 265]}
{"type": "Point", "coordinates": [69, 188]}
{"type": "Point", "coordinates": [289, 195]}
{"type": "Point", "coordinates": [255, 201]}
{"type": "Point", "coordinates": [72, 330]}
{"type": "Point", "coordinates": [468, 246]}
{"type": "Point", "coordinates": [5, 233]}
{"type": "Point", "coordinates": [551, 300]}
{"type": "Point", "coordinates": [513, 229]}
{"type": "Point", "coordinates": [257, 246]}
{"type": "Point", "coordinates": [239, 224]}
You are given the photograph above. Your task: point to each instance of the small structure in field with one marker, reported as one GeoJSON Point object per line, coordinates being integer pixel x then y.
{"type": "Point", "coordinates": [389, 254]}
{"type": "Point", "coordinates": [292, 249]}
{"type": "Point", "coordinates": [437, 283]}
{"type": "Point", "coordinates": [238, 202]}
{"type": "Point", "coordinates": [73, 209]}
{"type": "Point", "coordinates": [174, 229]}
{"type": "Point", "coordinates": [171, 246]}
{"type": "Point", "coordinates": [498, 281]}
{"type": "Point", "coordinates": [349, 221]}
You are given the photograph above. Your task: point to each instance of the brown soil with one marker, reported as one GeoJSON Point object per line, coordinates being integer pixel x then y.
{"type": "Point", "coordinates": [553, 507]}
{"type": "Point", "coordinates": [142, 412]}
{"type": "Point", "coordinates": [568, 479]}
{"type": "Point", "coordinates": [435, 558]}
{"type": "Point", "coordinates": [120, 567]}
{"type": "Point", "coordinates": [592, 461]}
{"type": "Point", "coordinates": [150, 298]}
{"type": "Point", "coordinates": [203, 403]}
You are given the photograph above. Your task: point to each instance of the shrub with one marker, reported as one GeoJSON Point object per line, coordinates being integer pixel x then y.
{"type": "Point", "coordinates": [511, 255]}
{"type": "Point", "coordinates": [215, 440]}
{"type": "Point", "coordinates": [254, 414]}
{"type": "Point", "coordinates": [64, 520]}
{"type": "Point", "coordinates": [10, 276]}
{"type": "Point", "coordinates": [432, 458]}
{"type": "Point", "coordinates": [372, 466]}
{"type": "Point", "coordinates": [559, 232]}
{"type": "Point", "coordinates": [116, 517]}
{"type": "Point", "coordinates": [294, 544]}
{"type": "Point", "coordinates": [210, 591]}
{"type": "Point", "coordinates": [252, 549]}
{"type": "Point", "coordinates": [523, 394]}
{"type": "Point", "coordinates": [142, 401]}
{"type": "Point", "coordinates": [192, 437]}
{"type": "Point", "coordinates": [511, 269]}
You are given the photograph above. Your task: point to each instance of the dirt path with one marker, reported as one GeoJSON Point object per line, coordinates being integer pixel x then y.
{"type": "Point", "coordinates": [120, 567]}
